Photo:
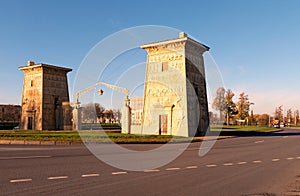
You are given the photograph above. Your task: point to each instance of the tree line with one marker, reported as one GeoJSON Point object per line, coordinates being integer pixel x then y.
{"type": "Point", "coordinates": [228, 109]}
{"type": "Point", "coordinates": [240, 110]}
{"type": "Point", "coordinates": [291, 117]}
{"type": "Point", "coordinates": [94, 112]}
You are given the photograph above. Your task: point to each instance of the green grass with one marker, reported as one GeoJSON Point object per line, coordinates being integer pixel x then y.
{"type": "Point", "coordinates": [74, 136]}
{"type": "Point", "coordinates": [244, 129]}
{"type": "Point", "coordinates": [39, 136]}
{"type": "Point", "coordinates": [88, 136]}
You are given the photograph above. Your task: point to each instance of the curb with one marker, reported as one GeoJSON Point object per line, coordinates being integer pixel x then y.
{"type": "Point", "coordinates": [68, 143]}
{"type": "Point", "coordinates": [31, 142]}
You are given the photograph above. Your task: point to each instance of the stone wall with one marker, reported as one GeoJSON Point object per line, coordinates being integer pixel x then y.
{"type": "Point", "coordinates": [55, 92]}
{"type": "Point", "coordinates": [32, 99]}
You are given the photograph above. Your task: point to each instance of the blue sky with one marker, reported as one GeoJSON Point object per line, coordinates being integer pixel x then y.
{"type": "Point", "coordinates": [254, 43]}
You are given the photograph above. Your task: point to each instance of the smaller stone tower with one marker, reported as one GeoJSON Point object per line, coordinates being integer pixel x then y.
{"type": "Point", "coordinates": [45, 89]}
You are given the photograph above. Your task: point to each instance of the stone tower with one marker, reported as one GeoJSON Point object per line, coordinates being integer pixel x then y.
{"type": "Point", "coordinates": [175, 97]}
{"type": "Point", "coordinates": [45, 92]}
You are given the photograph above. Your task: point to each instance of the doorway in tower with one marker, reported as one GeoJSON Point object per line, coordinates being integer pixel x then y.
{"type": "Point", "coordinates": [29, 123]}
{"type": "Point", "coordinates": [163, 124]}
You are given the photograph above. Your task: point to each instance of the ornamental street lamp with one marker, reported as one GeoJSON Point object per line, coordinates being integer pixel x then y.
{"type": "Point", "coordinates": [126, 113]}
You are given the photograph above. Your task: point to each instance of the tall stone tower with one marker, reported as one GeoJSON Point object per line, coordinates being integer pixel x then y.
{"type": "Point", "coordinates": [45, 88]}
{"type": "Point", "coordinates": [175, 97]}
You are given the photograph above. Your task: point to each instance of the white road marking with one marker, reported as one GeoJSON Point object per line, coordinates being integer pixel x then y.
{"type": "Point", "coordinates": [290, 158]}
{"type": "Point", "coordinates": [211, 165]}
{"type": "Point", "coordinates": [21, 180]}
{"type": "Point", "coordinates": [57, 177]}
{"type": "Point", "coordinates": [27, 157]}
{"type": "Point", "coordinates": [89, 175]}
{"type": "Point", "coordinates": [118, 173]}
{"type": "Point", "coordinates": [257, 161]}
{"type": "Point", "coordinates": [260, 141]}
{"type": "Point", "coordinates": [285, 136]}
{"type": "Point", "coordinates": [274, 160]}
{"type": "Point", "coordinates": [228, 164]}
{"type": "Point", "coordinates": [151, 170]}
{"type": "Point", "coordinates": [242, 163]}
{"type": "Point", "coordinates": [298, 157]}
{"type": "Point", "coordinates": [172, 168]}
{"type": "Point", "coordinates": [192, 167]}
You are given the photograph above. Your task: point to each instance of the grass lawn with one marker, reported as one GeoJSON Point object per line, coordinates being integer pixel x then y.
{"type": "Point", "coordinates": [236, 130]}
{"type": "Point", "coordinates": [74, 136]}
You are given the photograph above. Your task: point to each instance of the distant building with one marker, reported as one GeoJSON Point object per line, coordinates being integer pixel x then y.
{"type": "Point", "coordinates": [136, 105]}
{"type": "Point", "coordinates": [45, 97]}
{"type": "Point", "coordinates": [10, 113]}
{"type": "Point", "coordinates": [175, 97]}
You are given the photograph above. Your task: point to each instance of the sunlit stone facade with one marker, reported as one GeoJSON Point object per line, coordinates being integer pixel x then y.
{"type": "Point", "coordinates": [45, 97]}
{"type": "Point", "coordinates": [175, 97]}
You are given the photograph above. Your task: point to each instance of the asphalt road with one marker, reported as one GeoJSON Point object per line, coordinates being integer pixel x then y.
{"type": "Point", "coordinates": [257, 165]}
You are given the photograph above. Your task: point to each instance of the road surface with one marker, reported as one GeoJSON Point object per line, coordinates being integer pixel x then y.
{"type": "Point", "coordinates": [254, 165]}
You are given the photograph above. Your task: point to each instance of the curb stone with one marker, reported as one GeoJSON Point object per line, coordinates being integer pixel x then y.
{"type": "Point", "coordinates": [4, 141]}
{"type": "Point", "coordinates": [67, 143]}
{"type": "Point", "coordinates": [31, 142]}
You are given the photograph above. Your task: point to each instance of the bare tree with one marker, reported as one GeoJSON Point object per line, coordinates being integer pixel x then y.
{"type": "Point", "coordinates": [92, 111]}
{"type": "Point", "coordinates": [296, 115]}
{"type": "Point", "coordinates": [99, 110]}
{"type": "Point", "coordinates": [117, 115]}
{"type": "Point", "coordinates": [230, 107]}
{"type": "Point", "coordinates": [279, 113]}
{"type": "Point", "coordinates": [219, 101]}
{"type": "Point", "coordinates": [289, 116]}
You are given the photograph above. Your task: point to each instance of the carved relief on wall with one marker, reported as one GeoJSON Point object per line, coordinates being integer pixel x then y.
{"type": "Point", "coordinates": [177, 46]}
{"type": "Point", "coordinates": [156, 90]}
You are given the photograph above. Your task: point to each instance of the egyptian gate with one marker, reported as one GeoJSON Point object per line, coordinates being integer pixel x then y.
{"type": "Point", "coordinates": [175, 96]}
{"type": "Point", "coordinates": [45, 98]}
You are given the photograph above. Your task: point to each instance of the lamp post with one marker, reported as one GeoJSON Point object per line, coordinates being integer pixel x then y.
{"type": "Point", "coordinates": [251, 103]}
{"type": "Point", "coordinates": [3, 110]}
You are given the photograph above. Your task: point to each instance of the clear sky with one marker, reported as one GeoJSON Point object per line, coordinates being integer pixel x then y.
{"type": "Point", "coordinates": [256, 44]}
